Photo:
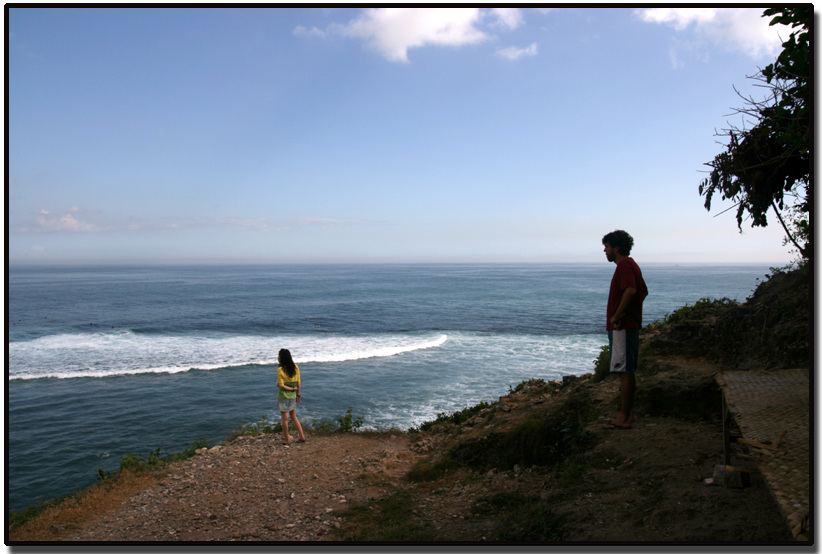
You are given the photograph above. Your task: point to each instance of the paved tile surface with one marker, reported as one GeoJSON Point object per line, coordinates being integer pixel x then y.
{"type": "Point", "coordinates": [773, 410]}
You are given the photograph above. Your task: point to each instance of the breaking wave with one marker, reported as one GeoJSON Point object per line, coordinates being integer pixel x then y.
{"type": "Point", "coordinates": [127, 353]}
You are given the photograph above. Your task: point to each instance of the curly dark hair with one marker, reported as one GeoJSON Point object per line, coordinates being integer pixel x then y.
{"type": "Point", "coordinates": [621, 240]}
{"type": "Point", "coordinates": [287, 362]}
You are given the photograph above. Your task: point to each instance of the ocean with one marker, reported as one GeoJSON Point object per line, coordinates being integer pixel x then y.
{"type": "Point", "coordinates": [106, 361]}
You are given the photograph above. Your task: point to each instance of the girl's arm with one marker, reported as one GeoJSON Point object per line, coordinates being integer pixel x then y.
{"type": "Point", "coordinates": [281, 384]}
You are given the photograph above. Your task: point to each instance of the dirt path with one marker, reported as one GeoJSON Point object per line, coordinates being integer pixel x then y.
{"type": "Point", "coordinates": [643, 484]}
{"type": "Point", "coordinates": [256, 489]}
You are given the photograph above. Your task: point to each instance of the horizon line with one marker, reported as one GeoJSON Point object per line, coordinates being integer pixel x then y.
{"type": "Point", "coordinates": [66, 263]}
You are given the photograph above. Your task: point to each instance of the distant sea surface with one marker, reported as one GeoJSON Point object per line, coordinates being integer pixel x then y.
{"type": "Point", "coordinates": [109, 361]}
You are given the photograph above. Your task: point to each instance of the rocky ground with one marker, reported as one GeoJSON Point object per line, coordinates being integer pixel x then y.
{"type": "Point", "coordinates": [646, 484]}
{"type": "Point", "coordinates": [256, 489]}
{"type": "Point", "coordinates": [650, 484]}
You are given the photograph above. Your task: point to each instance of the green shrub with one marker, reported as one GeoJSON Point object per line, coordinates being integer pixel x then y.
{"type": "Point", "coordinates": [536, 441]}
{"type": "Point", "coordinates": [255, 429]}
{"type": "Point", "coordinates": [533, 383]}
{"type": "Point", "coordinates": [196, 445]}
{"type": "Point", "coordinates": [522, 518]}
{"type": "Point", "coordinates": [770, 330]}
{"type": "Point", "coordinates": [345, 423]}
{"type": "Point", "coordinates": [134, 462]}
{"type": "Point", "coordinates": [702, 309]}
{"type": "Point", "coordinates": [456, 418]}
{"type": "Point", "coordinates": [19, 518]}
{"type": "Point", "coordinates": [387, 520]}
{"type": "Point", "coordinates": [602, 364]}
{"type": "Point", "coordinates": [424, 471]}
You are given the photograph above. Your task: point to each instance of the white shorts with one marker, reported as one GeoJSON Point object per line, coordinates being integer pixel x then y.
{"type": "Point", "coordinates": [288, 405]}
{"type": "Point", "coordinates": [624, 350]}
{"type": "Point", "coordinates": [619, 351]}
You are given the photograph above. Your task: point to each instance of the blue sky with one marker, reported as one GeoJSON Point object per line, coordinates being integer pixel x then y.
{"type": "Point", "coordinates": [351, 135]}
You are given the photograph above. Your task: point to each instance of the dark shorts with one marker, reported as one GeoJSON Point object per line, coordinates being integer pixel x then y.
{"type": "Point", "coordinates": [624, 360]}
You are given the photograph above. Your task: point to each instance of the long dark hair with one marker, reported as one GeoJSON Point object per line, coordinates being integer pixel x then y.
{"type": "Point", "coordinates": [287, 362]}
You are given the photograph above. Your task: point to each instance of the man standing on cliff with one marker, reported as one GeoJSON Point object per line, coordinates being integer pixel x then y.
{"type": "Point", "coordinates": [624, 311]}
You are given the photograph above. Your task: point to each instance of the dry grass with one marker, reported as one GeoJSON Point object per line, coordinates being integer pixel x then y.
{"type": "Point", "coordinates": [63, 520]}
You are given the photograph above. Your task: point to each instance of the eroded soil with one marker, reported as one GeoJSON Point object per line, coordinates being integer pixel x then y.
{"type": "Point", "coordinates": [646, 484]}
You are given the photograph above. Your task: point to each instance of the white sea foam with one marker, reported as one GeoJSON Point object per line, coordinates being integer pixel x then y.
{"type": "Point", "coordinates": [127, 353]}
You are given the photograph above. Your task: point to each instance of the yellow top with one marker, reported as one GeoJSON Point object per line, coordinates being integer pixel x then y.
{"type": "Point", "coordinates": [284, 380]}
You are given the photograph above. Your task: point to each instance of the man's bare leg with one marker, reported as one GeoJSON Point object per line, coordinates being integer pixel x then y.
{"type": "Point", "coordinates": [627, 389]}
{"type": "Point", "coordinates": [626, 415]}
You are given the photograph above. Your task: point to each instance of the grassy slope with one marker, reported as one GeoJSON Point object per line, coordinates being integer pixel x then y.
{"type": "Point", "coordinates": [770, 330]}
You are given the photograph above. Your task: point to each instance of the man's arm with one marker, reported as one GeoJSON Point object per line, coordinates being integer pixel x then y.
{"type": "Point", "coordinates": [624, 302]}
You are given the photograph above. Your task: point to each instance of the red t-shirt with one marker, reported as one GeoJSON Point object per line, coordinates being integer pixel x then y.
{"type": "Point", "coordinates": [627, 274]}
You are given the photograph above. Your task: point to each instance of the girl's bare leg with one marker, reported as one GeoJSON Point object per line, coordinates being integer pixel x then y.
{"type": "Point", "coordinates": [285, 427]}
{"type": "Point", "coordinates": [297, 424]}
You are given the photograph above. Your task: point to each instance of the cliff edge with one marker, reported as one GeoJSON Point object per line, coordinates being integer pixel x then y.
{"type": "Point", "coordinates": [534, 466]}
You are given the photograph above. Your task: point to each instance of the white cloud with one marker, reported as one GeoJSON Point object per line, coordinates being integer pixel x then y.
{"type": "Point", "coordinates": [678, 18]}
{"type": "Point", "coordinates": [70, 221]}
{"type": "Point", "coordinates": [393, 31]}
{"type": "Point", "coordinates": [742, 29]}
{"type": "Point", "coordinates": [514, 53]}
{"type": "Point", "coordinates": [510, 18]}
{"type": "Point", "coordinates": [65, 222]}
{"type": "Point", "coordinates": [313, 32]}
{"type": "Point", "coordinates": [278, 224]}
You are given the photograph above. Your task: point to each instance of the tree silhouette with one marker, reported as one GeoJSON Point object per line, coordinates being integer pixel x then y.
{"type": "Point", "coordinates": [768, 165]}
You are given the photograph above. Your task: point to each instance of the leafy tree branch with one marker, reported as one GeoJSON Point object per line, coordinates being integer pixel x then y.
{"type": "Point", "coordinates": [769, 163]}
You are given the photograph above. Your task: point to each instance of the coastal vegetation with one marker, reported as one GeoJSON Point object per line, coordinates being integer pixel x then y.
{"type": "Point", "coordinates": [769, 331]}
{"type": "Point", "coordinates": [548, 433]}
{"type": "Point", "coordinates": [136, 468]}
{"type": "Point", "coordinates": [766, 166]}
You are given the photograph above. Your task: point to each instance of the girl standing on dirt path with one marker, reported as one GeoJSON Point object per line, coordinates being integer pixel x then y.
{"type": "Point", "coordinates": [288, 381]}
